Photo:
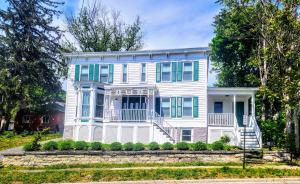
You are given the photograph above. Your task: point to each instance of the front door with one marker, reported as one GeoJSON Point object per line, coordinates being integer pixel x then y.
{"type": "Point", "coordinates": [239, 113]}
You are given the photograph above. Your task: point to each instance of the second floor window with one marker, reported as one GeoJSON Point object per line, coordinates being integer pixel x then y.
{"type": "Point", "coordinates": [166, 72]}
{"type": "Point", "coordinates": [85, 104]}
{"type": "Point", "coordinates": [187, 71]}
{"type": "Point", "coordinates": [165, 107]}
{"type": "Point", "coordinates": [104, 73]}
{"type": "Point", "coordinates": [99, 105]}
{"type": "Point", "coordinates": [124, 73]}
{"type": "Point", "coordinates": [187, 107]}
{"type": "Point", "coordinates": [143, 72]}
{"type": "Point", "coordinates": [84, 76]}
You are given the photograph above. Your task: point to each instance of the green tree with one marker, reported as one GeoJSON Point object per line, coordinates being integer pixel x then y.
{"type": "Point", "coordinates": [31, 64]}
{"type": "Point", "coordinates": [95, 29]}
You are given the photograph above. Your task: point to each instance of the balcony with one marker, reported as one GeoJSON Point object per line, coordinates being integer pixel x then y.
{"type": "Point", "coordinates": [128, 115]}
{"type": "Point", "coordinates": [225, 119]}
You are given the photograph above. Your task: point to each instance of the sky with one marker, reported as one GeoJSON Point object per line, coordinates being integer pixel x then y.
{"type": "Point", "coordinates": [167, 24]}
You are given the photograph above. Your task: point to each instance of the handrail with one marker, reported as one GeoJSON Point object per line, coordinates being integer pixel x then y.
{"type": "Point", "coordinates": [221, 119]}
{"type": "Point", "coordinates": [159, 122]}
{"type": "Point", "coordinates": [236, 131]}
{"type": "Point", "coordinates": [257, 131]}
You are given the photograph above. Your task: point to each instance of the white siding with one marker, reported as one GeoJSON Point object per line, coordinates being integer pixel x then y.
{"type": "Point", "coordinates": [70, 111]}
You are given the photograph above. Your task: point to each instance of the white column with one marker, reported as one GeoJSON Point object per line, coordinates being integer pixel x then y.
{"type": "Point", "coordinates": [234, 108]}
{"type": "Point", "coordinates": [253, 104]}
{"type": "Point", "coordinates": [92, 104]}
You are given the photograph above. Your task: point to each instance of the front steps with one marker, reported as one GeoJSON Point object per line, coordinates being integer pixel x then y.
{"type": "Point", "coordinates": [251, 141]}
{"type": "Point", "coordinates": [163, 134]}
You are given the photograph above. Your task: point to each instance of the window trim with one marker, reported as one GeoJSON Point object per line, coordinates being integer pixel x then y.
{"type": "Point", "coordinates": [88, 73]}
{"type": "Point", "coordinates": [141, 72]}
{"type": "Point", "coordinates": [96, 94]}
{"type": "Point", "coordinates": [182, 107]}
{"type": "Point", "coordinates": [192, 134]}
{"type": "Point", "coordinates": [89, 91]}
{"type": "Point", "coordinates": [161, 71]}
{"type": "Point", "coordinates": [122, 77]}
{"type": "Point", "coordinates": [100, 65]}
{"type": "Point", "coordinates": [183, 62]}
{"type": "Point", "coordinates": [162, 107]}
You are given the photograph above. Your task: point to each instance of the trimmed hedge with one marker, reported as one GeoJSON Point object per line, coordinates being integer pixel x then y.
{"type": "Point", "coordinates": [138, 147]}
{"type": "Point", "coordinates": [218, 145]}
{"type": "Point", "coordinates": [128, 146]}
{"type": "Point", "coordinates": [116, 146]}
{"type": "Point", "coordinates": [167, 146]}
{"type": "Point", "coordinates": [50, 146]}
{"type": "Point", "coordinates": [182, 146]}
{"type": "Point", "coordinates": [65, 145]}
{"type": "Point", "coordinates": [80, 145]}
{"type": "Point", "coordinates": [198, 146]}
{"type": "Point", "coordinates": [96, 146]}
{"type": "Point", "coordinates": [153, 146]}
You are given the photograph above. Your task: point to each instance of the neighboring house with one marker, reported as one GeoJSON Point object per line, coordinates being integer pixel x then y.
{"type": "Point", "coordinates": [52, 117]}
{"type": "Point", "coordinates": [154, 95]}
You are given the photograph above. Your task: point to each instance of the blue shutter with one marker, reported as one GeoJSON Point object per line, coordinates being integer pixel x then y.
{"type": "Point", "coordinates": [96, 74]}
{"type": "Point", "coordinates": [158, 72]}
{"type": "Point", "coordinates": [91, 72]}
{"type": "Point", "coordinates": [179, 71]}
{"type": "Point", "coordinates": [77, 72]}
{"type": "Point", "coordinates": [173, 107]}
{"type": "Point", "coordinates": [195, 107]}
{"type": "Point", "coordinates": [174, 70]}
{"type": "Point", "coordinates": [179, 107]}
{"type": "Point", "coordinates": [196, 70]}
{"type": "Point", "coordinates": [111, 73]}
{"type": "Point", "coordinates": [157, 105]}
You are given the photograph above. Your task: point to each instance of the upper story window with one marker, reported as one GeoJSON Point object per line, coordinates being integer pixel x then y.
{"type": "Point", "coordinates": [218, 107]}
{"type": "Point", "coordinates": [84, 76]}
{"type": "Point", "coordinates": [104, 73]}
{"type": "Point", "coordinates": [166, 72]}
{"type": "Point", "coordinates": [99, 105]}
{"type": "Point", "coordinates": [85, 112]}
{"type": "Point", "coordinates": [187, 107]}
{"type": "Point", "coordinates": [187, 71]}
{"type": "Point", "coordinates": [124, 73]}
{"type": "Point", "coordinates": [165, 107]}
{"type": "Point", "coordinates": [143, 72]}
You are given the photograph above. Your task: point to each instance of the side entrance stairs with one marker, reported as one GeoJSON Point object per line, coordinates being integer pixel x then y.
{"type": "Point", "coordinates": [251, 141]}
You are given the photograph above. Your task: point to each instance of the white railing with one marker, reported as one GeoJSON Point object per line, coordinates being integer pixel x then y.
{"type": "Point", "coordinates": [253, 124]}
{"type": "Point", "coordinates": [129, 115]}
{"type": "Point", "coordinates": [220, 119]}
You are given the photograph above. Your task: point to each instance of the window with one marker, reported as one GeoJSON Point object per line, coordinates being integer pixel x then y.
{"type": "Point", "coordinates": [85, 104]}
{"type": "Point", "coordinates": [166, 72]}
{"type": "Point", "coordinates": [99, 105]}
{"type": "Point", "coordinates": [104, 73]}
{"type": "Point", "coordinates": [187, 107]}
{"type": "Point", "coordinates": [26, 119]}
{"type": "Point", "coordinates": [124, 73]}
{"type": "Point", "coordinates": [143, 72]}
{"type": "Point", "coordinates": [187, 71]}
{"type": "Point", "coordinates": [84, 76]}
{"type": "Point", "coordinates": [165, 107]}
{"type": "Point", "coordinates": [218, 107]}
{"type": "Point", "coordinates": [46, 119]}
{"type": "Point", "coordinates": [186, 135]}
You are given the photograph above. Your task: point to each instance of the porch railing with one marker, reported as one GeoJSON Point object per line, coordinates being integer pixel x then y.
{"type": "Point", "coordinates": [129, 115]}
{"type": "Point", "coordinates": [220, 119]}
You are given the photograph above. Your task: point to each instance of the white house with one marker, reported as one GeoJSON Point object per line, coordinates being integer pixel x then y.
{"type": "Point", "coordinates": [154, 95]}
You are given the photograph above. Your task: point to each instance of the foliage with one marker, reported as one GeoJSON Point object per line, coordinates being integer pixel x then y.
{"type": "Point", "coordinates": [34, 145]}
{"type": "Point", "coordinates": [128, 146]}
{"type": "Point", "coordinates": [8, 134]}
{"type": "Point", "coordinates": [182, 146]}
{"type": "Point", "coordinates": [153, 146]}
{"type": "Point", "coordinates": [96, 146]}
{"type": "Point", "coordinates": [65, 145]}
{"type": "Point", "coordinates": [167, 146]}
{"type": "Point", "coordinates": [80, 145]}
{"type": "Point", "coordinates": [28, 147]}
{"type": "Point", "coordinates": [198, 146]}
{"type": "Point", "coordinates": [116, 146]}
{"type": "Point", "coordinates": [138, 147]}
{"type": "Point", "coordinates": [273, 131]}
{"type": "Point", "coordinates": [97, 29]}
{"type": "Point", "coordinates": [50, 146]}
{"type": "Point", "coordinates": [225, 139]}
{"type": "Point", "coordinates": [218, 145]}
{"type": "Point", "coordinates": [30, 67]}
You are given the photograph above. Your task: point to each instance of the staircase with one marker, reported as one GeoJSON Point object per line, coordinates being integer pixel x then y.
{"type": "Point", "coordinates": [251, 141]}
{"type": "Point", "coordinates": [164, 133]}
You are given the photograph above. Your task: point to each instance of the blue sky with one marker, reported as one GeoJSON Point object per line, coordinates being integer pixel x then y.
{"type": "Point", "coordinates": [166, 23]}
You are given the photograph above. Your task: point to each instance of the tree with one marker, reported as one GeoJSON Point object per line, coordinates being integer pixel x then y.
{"type": "Point", "coordinates": [95, 29]}
{"type": "Point", "coordinates": [31, 64]}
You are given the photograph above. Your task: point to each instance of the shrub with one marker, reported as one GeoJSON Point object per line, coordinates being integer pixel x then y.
{"type": "Point", "coordinates": [138, 147]}
{"type": "Point", "coordinates": [65, 145]}
{"type": "Point", "coordinates": [198, 146]}
{"type": "Point", "coordinates": [128, 146]}
{"type": "Point", "coordinates": [96, 146]}
{"type": "Point", "coordinates": [116, 146]}
{"type": "Point", "coordinates": [153, 146]}
{"type": "Point", "coordinates": [225, 139]}
{"type": "Point", "coordinates": [28, 147]}
{"type": "Point", "coordinates": [182, 146]}
{"type": "Point", "coordinates": [167, 146]}
{"type": "Point", "coordinates": [49, 146]}
{"type": "Point", "coordinates": [80, 145]}
{"type": "Point", "coordinates": [218, 145]}
{"type": "Point", "coordinates": [8, 134]}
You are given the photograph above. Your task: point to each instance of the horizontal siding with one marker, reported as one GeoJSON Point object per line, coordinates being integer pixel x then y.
{"type": "Point", "coordinates": [70, 111]}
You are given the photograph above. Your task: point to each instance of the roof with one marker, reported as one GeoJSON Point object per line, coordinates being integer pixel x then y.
{"type": "Point", "coordinates": [231, 90]}
{"type": "Point", "coordinates": [140, 52]}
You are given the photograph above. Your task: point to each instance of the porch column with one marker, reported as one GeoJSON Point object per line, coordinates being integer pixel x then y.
{"type": "Point", "coordinates": [79, 102]}
{"type": "Point", "coordinates": [92, 104]}
{"type": "Point", "coordinates": [253, 105]}
{"type": "Point", "coordinates": [77, 106]}
{"type": "Point", "coordinates": [234, 108]}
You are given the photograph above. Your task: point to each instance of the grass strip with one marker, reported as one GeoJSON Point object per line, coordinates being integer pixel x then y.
{"type": "Point", "coordinates": [155, 174]}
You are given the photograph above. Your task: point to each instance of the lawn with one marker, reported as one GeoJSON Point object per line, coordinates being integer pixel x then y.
{"type": "Point", "coordinates": [12, 141]}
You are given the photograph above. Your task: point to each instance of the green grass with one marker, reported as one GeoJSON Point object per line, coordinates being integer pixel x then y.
{"type": "Point", "coordinates": [19, 140]}
{"type": "Point", "coordinates": [56, 176]}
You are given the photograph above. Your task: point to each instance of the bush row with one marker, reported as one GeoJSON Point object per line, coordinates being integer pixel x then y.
{"type": "Point", "coordinates": [117, 146]}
